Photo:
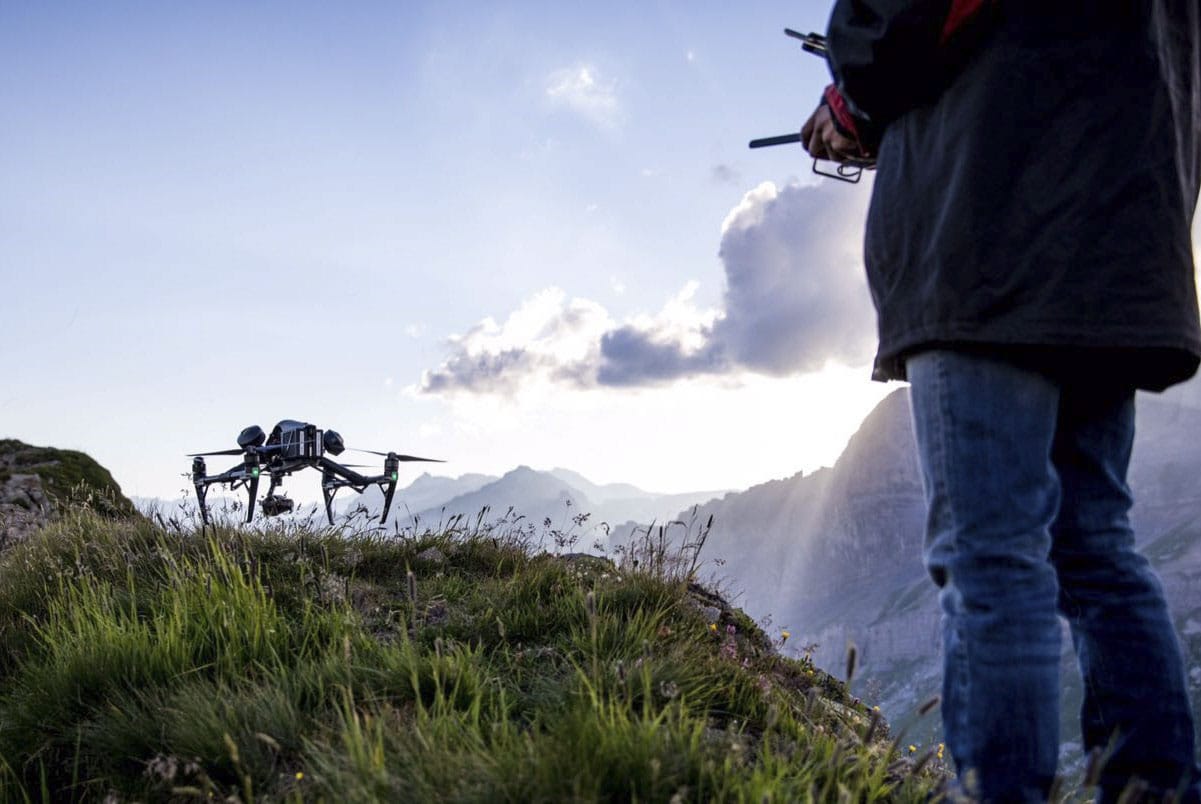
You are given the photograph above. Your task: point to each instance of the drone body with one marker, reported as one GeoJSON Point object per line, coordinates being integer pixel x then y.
{"type": "Point", "coordinates": [292, 446]}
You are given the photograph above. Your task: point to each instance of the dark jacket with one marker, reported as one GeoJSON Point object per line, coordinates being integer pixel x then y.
{"type": "Point", "coordinates": [1039, 163]}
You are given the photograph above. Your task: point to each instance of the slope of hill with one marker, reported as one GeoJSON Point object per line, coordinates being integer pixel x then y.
{"type": "Point", "coordinates": [276, 665]}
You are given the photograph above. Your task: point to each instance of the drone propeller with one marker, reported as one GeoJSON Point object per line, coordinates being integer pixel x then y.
{"type": "Point", "coordinates": [401, 458]}
{"type": "Point", "coordinates": [218, 452]}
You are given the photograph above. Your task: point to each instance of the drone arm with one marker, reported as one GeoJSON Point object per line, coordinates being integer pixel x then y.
{"type": "Point", "coordinates": [343, 476]}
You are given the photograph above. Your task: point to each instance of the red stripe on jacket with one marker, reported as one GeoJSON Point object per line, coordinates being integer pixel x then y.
{"type": "Point", "coordinates": [844, 121]}
{"type": "Point", "coordinates": [961, 12]}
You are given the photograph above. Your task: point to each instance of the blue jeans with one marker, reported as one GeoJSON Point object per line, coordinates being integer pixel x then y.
{"type": "Point", "coordinates": [1025, 481]}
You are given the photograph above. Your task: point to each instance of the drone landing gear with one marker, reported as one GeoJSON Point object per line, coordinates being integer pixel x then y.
{"type": "Point", "coordinates": [335, 476]}
{"type": "Point", "coordinates": [328, 489]}
{"type": "Point", "coordinates": [238, 477]}
{"type": "Point", "coordinates": [252, 492]}
{"type": "Point", "coordinates": [202, 489]}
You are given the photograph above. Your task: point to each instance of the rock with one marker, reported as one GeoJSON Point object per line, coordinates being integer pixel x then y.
{"type": "Point", "coordinates": [431, 555]}
{"type": "Point", "coordinates": [35, 481]}
{"type": "Point", "coordinates": [24, 507]}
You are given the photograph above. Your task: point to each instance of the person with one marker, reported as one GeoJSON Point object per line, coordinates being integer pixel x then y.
{"type": "Point", "coordinates": [1028, 252]}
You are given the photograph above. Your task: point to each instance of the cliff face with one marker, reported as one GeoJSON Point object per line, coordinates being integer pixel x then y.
{"type": "Point", "coordinates": [836, 556]}
{"type": "Point", "coordinates": [35, 481]}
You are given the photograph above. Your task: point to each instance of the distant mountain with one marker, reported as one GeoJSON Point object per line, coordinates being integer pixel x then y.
{"type": "Point", "coordinates": [602, 494]}
{"type": "Point", "coordinates": [534, 495]}
{"type": "Point", "coordinates": [426, 492]}
{"type": "Point", "coordinates": [559, 496]}
{"type": "Point", "coordinates": [836, 555]}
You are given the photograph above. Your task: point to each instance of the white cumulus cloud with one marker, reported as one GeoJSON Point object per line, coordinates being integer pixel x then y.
{"type": "Point", "coordinates": [586, 92]}
{"type": "Point", "coordinates": [795, 299]}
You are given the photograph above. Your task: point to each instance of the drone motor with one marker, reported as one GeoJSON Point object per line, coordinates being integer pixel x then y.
{"type": "Point", "coordinates": [252, 436]}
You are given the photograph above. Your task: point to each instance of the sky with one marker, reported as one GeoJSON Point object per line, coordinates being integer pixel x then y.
{"type": "Point", "coordinates": [524, 233]}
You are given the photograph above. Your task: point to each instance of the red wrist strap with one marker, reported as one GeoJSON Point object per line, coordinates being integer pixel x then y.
{"type": "Point", "coordinates": [844, 121]}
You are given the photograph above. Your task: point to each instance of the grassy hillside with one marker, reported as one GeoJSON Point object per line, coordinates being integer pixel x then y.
{"type": "Point", "coordinates": [304, 665]}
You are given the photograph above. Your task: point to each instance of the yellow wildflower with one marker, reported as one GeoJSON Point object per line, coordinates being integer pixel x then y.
{"type": "Point", "coordinates": [713, 627]}
{"type": "Point", "coordinates": [299, 775]}
{"type": "Point", "coordinates": [913, 749]}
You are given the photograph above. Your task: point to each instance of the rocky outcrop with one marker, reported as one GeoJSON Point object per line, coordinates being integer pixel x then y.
{"type": "Point", "coordinates": [35, 482]}
{"type": "Point", "coordinates": [24, 507]}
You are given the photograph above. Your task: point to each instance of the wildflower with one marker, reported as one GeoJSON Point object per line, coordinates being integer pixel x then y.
{"type": "Point", "coordinates": [875, 709]}
{"type": "Point", "coordinates": [731, 630]}
{"type": "Point", "coordinates": [713, 627]}
{"type": "Point", "coordinates": [299, 775]}
{"type": "Point", "coordinates": [913, 749]}
{"type": "Point", "coordinates": [784, 635]}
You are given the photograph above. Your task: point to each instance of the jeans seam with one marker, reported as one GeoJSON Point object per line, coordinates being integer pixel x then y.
{"type": "Point", "coordinates": [942, 426]}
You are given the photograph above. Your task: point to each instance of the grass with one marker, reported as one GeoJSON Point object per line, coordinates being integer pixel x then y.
{"type": "Point", "coordinates": [305, 664]}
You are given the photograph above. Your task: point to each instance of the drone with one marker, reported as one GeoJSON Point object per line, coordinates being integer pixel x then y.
{"type": "Point", "coordinates": [292, 446]}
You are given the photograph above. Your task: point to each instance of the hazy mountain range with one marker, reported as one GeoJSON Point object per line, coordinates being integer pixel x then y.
{"type": "Point", "coordinates": [557, 495]}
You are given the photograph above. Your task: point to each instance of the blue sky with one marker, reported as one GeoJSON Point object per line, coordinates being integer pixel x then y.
{"type": "Point", "coordinates": [525, 233]}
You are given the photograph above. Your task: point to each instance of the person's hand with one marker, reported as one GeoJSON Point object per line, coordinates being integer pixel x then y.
{"type": "Point", "coordinates": [822, 140]}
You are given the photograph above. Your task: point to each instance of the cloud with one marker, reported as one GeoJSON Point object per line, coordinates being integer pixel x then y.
{"type": "Point", "coordinates": [796, 295]}
{"type": "Point", "coordinates": [547, 339]}
{"type": "Point", "coordinates": [583, 90]}
{"type": "Point", "coordinates": [795, 299]}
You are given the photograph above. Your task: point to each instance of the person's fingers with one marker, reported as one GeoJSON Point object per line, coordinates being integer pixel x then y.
{"type": "Point", "coordinates": [817, 146]}
{"type": "Point", "coordinates": [842, 149]}
{"type": "Point", "coordinates": [807, 129]}
{"type": "Point", "coordinates": [811, 131]}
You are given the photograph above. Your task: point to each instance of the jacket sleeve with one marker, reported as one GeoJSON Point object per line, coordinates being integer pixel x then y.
{"type": "Point", "coordinates": [889, 56]}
